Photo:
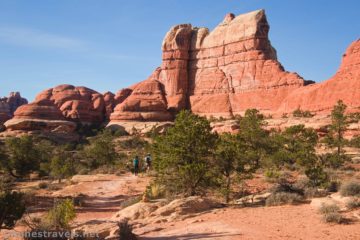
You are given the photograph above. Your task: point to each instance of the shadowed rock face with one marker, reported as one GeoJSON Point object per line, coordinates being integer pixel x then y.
{"type": "Point", "coordinates": [220, 73]}
{"type": "Point", "coordinates": [8, 105]}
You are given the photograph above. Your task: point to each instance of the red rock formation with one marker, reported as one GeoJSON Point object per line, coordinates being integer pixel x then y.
{"type": "Point", "coordinates": [56, 108]}
{"type": "Point", "coordinates": [146, 102]}
{"type": "Point", "coordinates": [221, 73]}
{"type": "Point", "coordinates": [321, 97]}
{"type": "Point", "coordinates": [8, 105]}
{"type": "Point", "coordinates": [234, 68]}
{"type": "Point", "coordinates": [4, 112]}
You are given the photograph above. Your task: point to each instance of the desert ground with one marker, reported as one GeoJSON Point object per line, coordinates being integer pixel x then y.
{"type": "Point", "coordinates": [103, 195]}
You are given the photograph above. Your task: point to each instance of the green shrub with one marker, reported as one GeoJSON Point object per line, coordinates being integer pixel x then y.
{"type": "Point", "coordinates": [134, 142]}
{"type": "Point", "coordinates": [181, 156]}
{"type": "Point", "coordinates": [281, 198]}
{"type": "Point", "coordinates": [350, 189]}
{"type": "Point", "coordinates": [272, 175]}
{"type": "Point", "coordinates": [60, 216]}
{"type": "Point", "coordinates": [317, 176]}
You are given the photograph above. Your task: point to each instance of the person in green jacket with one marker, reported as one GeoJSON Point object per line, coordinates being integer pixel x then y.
{"type": "Point", "coordinates": [136, 163]}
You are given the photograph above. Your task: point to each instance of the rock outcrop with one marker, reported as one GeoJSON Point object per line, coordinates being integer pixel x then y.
{"type": "Point", "coordinates": [321, 97]}
{"type": "Point", "coordinates": [8, 105]}
{"type": "Point", "coordinates": [59, 109]}
{"type": "Point", "coordinates": [231, 69]}
{"type": "Point", "coordinates": [219, 73]}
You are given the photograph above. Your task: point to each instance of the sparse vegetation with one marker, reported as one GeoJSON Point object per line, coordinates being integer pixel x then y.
{"type": "Point", "coordinates": [331, 213]}
{"type": "Point", "coordinates": [60, 216]}
{"type": "Point", "coordinates": [300, 113]}
{"type": "Point", "coordinates": [280, 198]}
{"type": "Point", "coordinates": [351, 189]}
{"type": "Point", "coordinates": [353, 203]}
{"type": "Point", "coordinates": [12, 205]}
{"type": "Point", "coordinates": [101, 151]}
{"type": "Point", "coordinates": [125, 231]}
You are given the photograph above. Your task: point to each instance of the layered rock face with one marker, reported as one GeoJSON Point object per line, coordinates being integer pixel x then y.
{"type": "Point", "coordinates": [8, 105]}
{"type": "Point", "coordinates": [321, 97]}
{"type": "Point", "coordinates": [56, 109]}
{"type": "Point", "coordinates": [219, 73]}
{"type": "Point", "coordinates": [234, 68]}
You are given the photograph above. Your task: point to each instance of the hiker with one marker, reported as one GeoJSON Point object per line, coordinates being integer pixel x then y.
{"type": "Point", "coordinates": [148, 162]}
{"type": "Point", "coordinates": [136, 165]}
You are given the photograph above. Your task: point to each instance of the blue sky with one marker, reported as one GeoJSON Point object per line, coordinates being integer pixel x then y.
{"type": "Point", "coordinates": [108, 45]}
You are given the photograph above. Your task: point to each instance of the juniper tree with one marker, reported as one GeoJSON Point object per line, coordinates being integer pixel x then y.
{"type": "Point", "coordinates": [335, 137]}
{"type": "Point", "coordinates": [182, 156]}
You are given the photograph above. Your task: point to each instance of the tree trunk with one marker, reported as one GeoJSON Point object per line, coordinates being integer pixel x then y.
{"type": "Point", "coordinates": [228, 185]}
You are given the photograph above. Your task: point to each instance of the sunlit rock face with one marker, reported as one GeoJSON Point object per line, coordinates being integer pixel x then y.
{"type": "Point", "coordinates": [219, 73]}
{"type": "Point", "coordinates": [321, 97]}
{"type": "Point", "coordinates": [60, 107]}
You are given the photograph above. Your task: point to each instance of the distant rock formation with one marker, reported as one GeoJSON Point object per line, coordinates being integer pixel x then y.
{"type": "Point", "coordinates": [8, 105]}
{"type": "Point", "coordinates": [58, 109]}
{"type": "Point", "coordinates": [219, 73]}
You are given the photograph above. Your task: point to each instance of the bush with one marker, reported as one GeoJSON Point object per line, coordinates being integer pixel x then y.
{"type": "Point", "coordinates": [317, 176]}
{"type": "Point", "coordinates": [311, 192]}
{"type": "Point", "coordinates": [125, 231]}
{"type": "Point", "coordinates": [281, 198]}
{"type": "Point", "coordinates": [300, 113]}
{"type": "Point", "coordinates": [60, 216]}
{"type": "Point", "coordinates": [353, 203]}
{"type": "Point", "coordinates": [328, 208]}
{"type": "Point", "coordinates": [79, 200]}
{"type": "Point", "coordinates": [331, 213]}
{"type": "Point", "coordinates": [350, 189]}
{"type": "Point", "coordinates": [272, 175]}
{"type": "Point", "coordinates": [333, 218]}
{"type": "Point", "coordinates": [133, 143]}
{"type": "Point", "coordinates": [155, 191]}
{"type": "Point", "coordinates": [43, 185]}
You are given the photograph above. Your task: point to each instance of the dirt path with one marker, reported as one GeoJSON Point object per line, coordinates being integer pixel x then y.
{"type": "Point", "coordinates": [103, 195]}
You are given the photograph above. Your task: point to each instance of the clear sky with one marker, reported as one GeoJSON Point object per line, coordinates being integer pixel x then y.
{"type": "Point", "coordinates": [108, 45]}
